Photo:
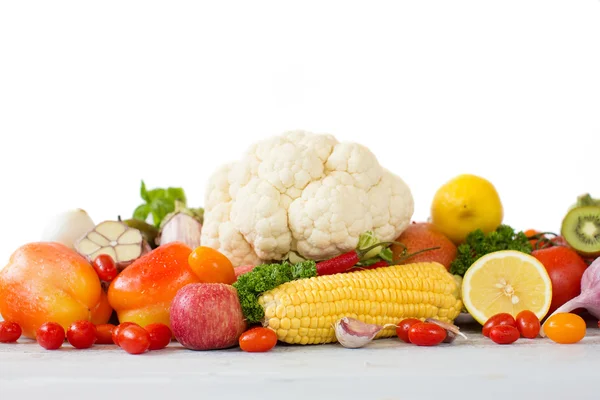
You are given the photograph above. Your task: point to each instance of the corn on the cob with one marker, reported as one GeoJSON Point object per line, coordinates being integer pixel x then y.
{"type": "Point", "coordinates": [304, 311]}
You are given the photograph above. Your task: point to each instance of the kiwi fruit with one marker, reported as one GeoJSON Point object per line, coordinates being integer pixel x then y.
{"type": "Point", "coordinates": [581, 230]}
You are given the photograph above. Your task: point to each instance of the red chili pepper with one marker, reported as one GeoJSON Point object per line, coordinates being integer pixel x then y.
{"type": "Point", "coordinates": [344, 262]}
{"type": "Point", "coordinates": [378, 264]}
{"type": "Point", "coordinates": [339, 264]}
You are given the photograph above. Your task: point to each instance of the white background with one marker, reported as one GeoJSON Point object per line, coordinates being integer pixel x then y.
{"type": "Point", "coordinates": [95, 96]}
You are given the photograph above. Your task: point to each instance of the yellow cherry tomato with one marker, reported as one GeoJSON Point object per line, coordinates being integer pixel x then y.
{"type": "Point", "coordinates": [565, 328]}
{"type": "Point", "coordinates": [211, 266]}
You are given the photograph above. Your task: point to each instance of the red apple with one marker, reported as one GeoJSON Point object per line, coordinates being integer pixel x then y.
{"type": "Point", "coordinates": [241, 270]}
{"type": "Point", "coordinates": [207, 316]}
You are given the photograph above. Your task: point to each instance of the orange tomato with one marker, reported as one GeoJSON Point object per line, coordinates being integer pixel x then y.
{"type": "Point", "coordinates": [565, 328]}
{"type": "Point", "coordinates": [210, 266]}
{"type": "Point", "coordinates": [530, 233]}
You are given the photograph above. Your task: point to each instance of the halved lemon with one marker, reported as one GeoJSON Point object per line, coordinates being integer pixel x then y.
{"type": "Point", "coordinates": [506, 281]}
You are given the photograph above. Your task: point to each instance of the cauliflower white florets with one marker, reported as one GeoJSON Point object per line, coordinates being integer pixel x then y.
{"type": "Point", "coordinates": [305, 193]}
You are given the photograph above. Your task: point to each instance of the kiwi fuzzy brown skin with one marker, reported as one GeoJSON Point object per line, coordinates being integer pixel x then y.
{"type": "Point", "coordinates": [571, 230]}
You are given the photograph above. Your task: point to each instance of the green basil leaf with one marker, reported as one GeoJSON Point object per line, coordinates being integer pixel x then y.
{"type": "Point", "coordinates": [141, 212]}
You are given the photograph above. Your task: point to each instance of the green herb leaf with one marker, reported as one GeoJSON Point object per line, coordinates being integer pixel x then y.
{"type": "Point", "coordinates": [479, 244]}
{"type": "Point", "coordinates": [144, 192]}
{"type": "Point", "coordinates": [141, 212]}
{"type": "Point", "coordinates": [158, 202]}
{"type": "Point", "coordinates": [176, 194]}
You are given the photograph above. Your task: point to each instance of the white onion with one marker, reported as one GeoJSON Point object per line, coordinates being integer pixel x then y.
{"type": "Point", "coordinates": [68, 227]}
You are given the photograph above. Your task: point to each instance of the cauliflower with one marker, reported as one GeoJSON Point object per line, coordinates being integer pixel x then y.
{"type": "Point", "coordinates": [305, 193]}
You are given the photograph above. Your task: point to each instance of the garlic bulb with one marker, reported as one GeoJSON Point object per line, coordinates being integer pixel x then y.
{"type": "Point", "coordinates": [68, 227]}
{"type": "Point", "coordinates": [121, 242]}
{"type": "Point", "coordinates": [181, 227]}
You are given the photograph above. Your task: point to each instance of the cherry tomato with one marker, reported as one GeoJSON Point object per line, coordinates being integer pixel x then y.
{"type": "Point", "coordinates": [134, 339]}
{"type": "Point", "coordinates": [404, 326]}
{"type": "Point", "coordinates": [81, 334]}
{"type": "Point", "coordinates": [115, 332]}
{"type": "Point", "coordinates": [565, 328]}
{"type": "Point", "coordinates": [426, 334]}
{"type": "Point", "coordinates": [10, 332]}
{"type": "Point", "coordinates": [160, 336]}
{"type": "Point", "coordinates": [258, 340]}
{"type": "Point", "coordinates": [544, 241]}
{"type": "Point", "coordinates": [528, 324]}
{"type": "Point", "coordinates": [498, 319]}
{"type": "Point", "coordinates": [105, 267]}
{"type": "Point", "coordinates": [504, 334]}
{"type": "Point", "coordinates": [50, 335]}
{"type": "Point", "coordinates": [104, 333]}
{"type": "Point", "coordinates": [211, 266]}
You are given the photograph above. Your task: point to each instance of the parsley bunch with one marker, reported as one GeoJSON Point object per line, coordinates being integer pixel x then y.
{"type": "Point", "coordinates": [266, 277]}
{"type": "Point", "coordinates": [479, 244]}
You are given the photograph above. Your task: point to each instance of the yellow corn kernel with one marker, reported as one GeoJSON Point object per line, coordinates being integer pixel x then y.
{"type": "Point", "coordinates": [295, 323]}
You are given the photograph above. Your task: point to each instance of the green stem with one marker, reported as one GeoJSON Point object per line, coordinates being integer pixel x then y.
{"type": "Point", "coordinates": [406, 257]}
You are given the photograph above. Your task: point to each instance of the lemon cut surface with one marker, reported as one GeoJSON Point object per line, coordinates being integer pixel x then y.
{"type": "Point", "coordinates": [506, 281]}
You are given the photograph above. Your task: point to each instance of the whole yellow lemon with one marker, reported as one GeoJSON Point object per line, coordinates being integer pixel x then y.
{"type": "Point", "coordinates": [464, 204]}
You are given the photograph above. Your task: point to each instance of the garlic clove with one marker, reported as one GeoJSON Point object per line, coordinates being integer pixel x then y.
{"type": "Point", "coordinates": [130, 236]}
{"type": "Point", "coordinates": [121, 242]}
{"type": "Point", "coordinates": [353, 333]}
{"type": "Point", "coordinates": [149, 232]}
{"type": "Point", "coordinates": [127, 252]}
{"type": "Point", "coordinates": [87, 246]}
{"type": "Point", "coordinates": [111, 230]}
{"type": "Point", "coordinates": [98, 239]}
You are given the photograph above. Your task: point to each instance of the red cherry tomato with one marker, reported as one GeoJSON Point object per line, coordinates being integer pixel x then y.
{"type": "Point", "coordinates": [426, 334]}
{"type": "Point", "coordinates": [81, 334]}
{"type": "Point", "coordinates": [258, 340]}
{"type": "Point", "coordinates": [528, 324]}
{"type": "Point", "coordinates": [134, 339]}
{"type": "Point", "coordinates": [160, 336]}
{"type": "Point", "coordinates": [504, 334]}
{"type": "Point", "coordinates": [404, 326]}
{"type": "Point", "coordinates": [10, 332]}
{"type": "Point", "coordinates": [498, 319]}
{"type": "Point", "coordinates": [117, 329]}
{"type": "Point", "coordinates": [105, 267]}
{"type": "Point", "coordinates": [50, 335]}
{"type": "Point", "coordinates": [104, 333]}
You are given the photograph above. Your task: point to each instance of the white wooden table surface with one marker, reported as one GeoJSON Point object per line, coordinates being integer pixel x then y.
{"type": "Point", "coordinates": [386, 369]}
